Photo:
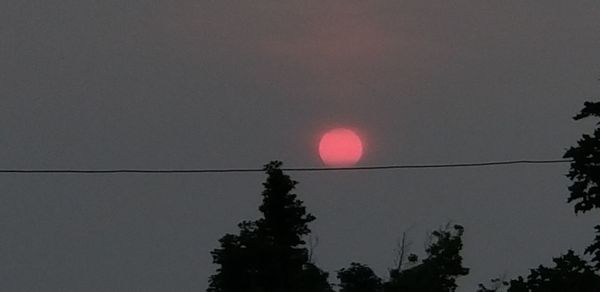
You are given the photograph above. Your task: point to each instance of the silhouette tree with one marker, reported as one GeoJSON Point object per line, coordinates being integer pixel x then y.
{"type": "Point", "coordinates": [570, 273]}
{"type": "Point", "coordinates": [585, 167]}
{"type": "Point", "coordinates": [594, 249]}
{"type": "Point", "coordinates": [313, 279]}
{"type": "Point", "coordinates": [439, 271]}
{"type": "Point", "coordinates": [359, 278]}
{"type": "Point", "coordinates": [585, 173]}
{"type": "Point", "coordinates": [269, 255]}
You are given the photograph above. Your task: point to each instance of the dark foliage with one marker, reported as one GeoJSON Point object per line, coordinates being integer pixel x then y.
{"type": "Point", "coordinates": [268, 254]}
{"type": "Point", "coordinates": [585, 167]}
{"type": "Point", "coordinates": [585, 173]}
{"type": "Point", "coordinates": [358, 278]}
{"type": "Point", "coordinates": [570, 273]}
{"type": "Point", "coordinates": [594, 249]}
{"type": "Point", "coordinates": [314, 279]}
{"type": "Point", "coordinates": [439, 271]}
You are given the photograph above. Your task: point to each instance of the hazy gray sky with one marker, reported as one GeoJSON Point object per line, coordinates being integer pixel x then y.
{"type": "Point", "coordinates": [193, 84]}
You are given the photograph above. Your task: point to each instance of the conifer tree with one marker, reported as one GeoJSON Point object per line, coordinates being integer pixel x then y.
{"type": "Point", "coordinates": [268, 255]}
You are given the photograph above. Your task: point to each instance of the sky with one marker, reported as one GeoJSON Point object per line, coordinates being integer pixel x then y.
{"type": "Point", "coordinates": [219, 84]}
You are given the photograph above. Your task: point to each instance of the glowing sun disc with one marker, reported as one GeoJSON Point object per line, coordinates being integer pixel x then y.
{"type": "Point", "coordinates": [340, 147]}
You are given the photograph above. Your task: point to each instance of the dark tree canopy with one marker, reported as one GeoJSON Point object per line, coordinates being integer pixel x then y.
{"type": "Point", "coordinates": [594, 249]}
{"type": "Point", "coordinates": [358, 278]}
{"type": "Point", "coordinates": [570, 273]}
{"type": "Point", "coordinates": [314, 279]}
{"type": "Point", "coordinates": [285, 220]}
{"type": "Point", "coordinates": [585, 167]}
{"type": "Point", "coordinates": [268, 254]}
{"type": "Point", "coordinates": [439, 271]}
{"type": "Point", "coordinates": [585, 173]}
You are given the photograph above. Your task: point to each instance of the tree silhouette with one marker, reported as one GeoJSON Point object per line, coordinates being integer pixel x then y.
{"type": "Point", "coordinates": [570, 273]}
{"type": "Point", "coordinates": [358, 278]}
{"type": "Point", "coordinates": [585, 167]}
{"type": "Point", "coordinates": [313, 279]}
{"type": "Point", "coordinates": [439, 271]}
{"type": "Point", "coordinates": [585, 173]}
{"type": "Point", "coordinates": [594, 249]}
{"type": "Point", "coordinates": [269, 255]}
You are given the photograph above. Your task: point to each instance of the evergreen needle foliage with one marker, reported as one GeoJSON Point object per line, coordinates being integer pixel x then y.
{"type": "Point", "coordinates": [268, 255]}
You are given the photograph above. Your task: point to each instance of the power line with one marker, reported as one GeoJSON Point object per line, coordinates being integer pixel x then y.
{"type": "Point", "coordinates": [291, 169]}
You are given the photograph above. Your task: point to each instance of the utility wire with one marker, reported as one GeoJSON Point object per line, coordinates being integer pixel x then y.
{"type": "Point", "coordinates": [292, 169]}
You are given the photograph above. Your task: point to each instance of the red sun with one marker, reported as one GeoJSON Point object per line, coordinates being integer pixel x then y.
{"type": "Point", "coordinates": [340, 147]}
